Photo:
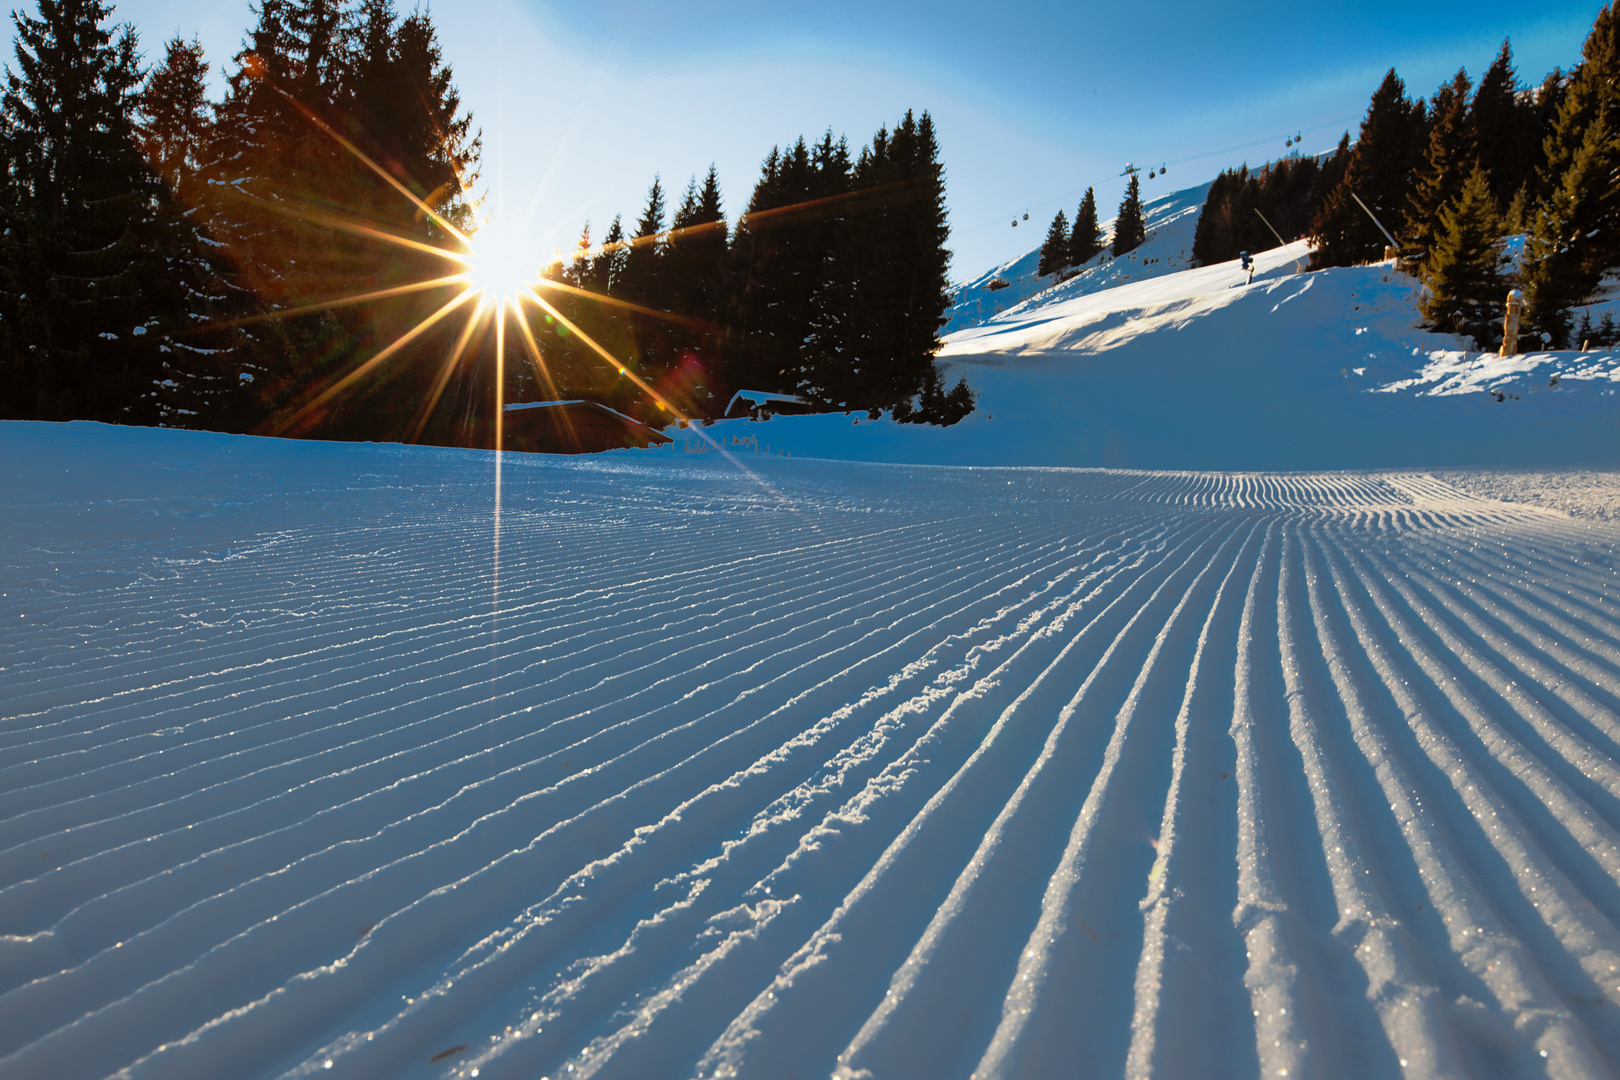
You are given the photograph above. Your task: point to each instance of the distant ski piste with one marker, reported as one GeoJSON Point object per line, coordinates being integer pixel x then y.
{"type": "Point", "coordinates": [1145, 361]}
{"type": "Point", "coordinates": [1199, 369]}
{"type": "Point", "coordinates": [345, 760]}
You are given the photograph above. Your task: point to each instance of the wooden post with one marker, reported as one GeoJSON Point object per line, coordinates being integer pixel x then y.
{"type": "Point", "coordinates": [1510, 323]}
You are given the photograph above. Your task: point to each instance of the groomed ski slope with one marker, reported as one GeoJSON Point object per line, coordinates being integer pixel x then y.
{"type": "Point", "coordinates": [1169, 221]}
{"type": "Point", "coordinates": [312, 761]}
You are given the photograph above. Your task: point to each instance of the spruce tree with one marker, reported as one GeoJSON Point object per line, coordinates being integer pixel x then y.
{"type": "Point", "coordinates": [783, 251]}
{"type": "Point", "coordinates": [399, 102]}
{"type": "Point", "coordinates": [607, 268]}
{"type": "Point", "coordinates": [642, 281]}
{"type": "Point", "coordinates": [1055, 251]}
{"type": "Point", "coordinates": [1085, 239]}
{"type": "Point", "coordinates": [694, 266]}
{"type": "Point", "coordinates": [580, 270]}
{"type": "Point", "coordinates": [1129, 229]}
{"type": "Point", "coordinates": [1576, 235]}
{"type": "Point", "coordinates": [1503, 122]}
{"type": "Point", "coordinates": [174, 113]}
{"type": "Point", "coordinates": [902, 285]}
{"type": "Point", "coordinates": [838, 338]}
{"type": "Point", "coordinates": [1447, 163]}
{"type": "Point", "coordinates": [695, 254]}
{"type": "Point", "coordinates": [1212, 235]}
{"type": "Point", "coordinates": [84, 277]}
{"type": "Point", "coordinates": [277, 177]}
{"type": "Point", "coordinates": [258, 144]}
{"type": "Point", "coordinates": [1544, 107]}
{"type": "Point", "coordinates": [1572, 241]}
{"type": "Point", "coordinates": [1592, 89]}
{"type": "Point", "coordinates": [1465, 287]}
{"type": "Point", "coordinates": [1379, 170]}
{"type": "Point", "coordinates": [198, 337]}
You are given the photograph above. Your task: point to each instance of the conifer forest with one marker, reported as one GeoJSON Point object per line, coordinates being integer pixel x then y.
{"type": "Point", "coordinates": [291, 259]}
{"type": "Point", "coordinates": [1452, 178]}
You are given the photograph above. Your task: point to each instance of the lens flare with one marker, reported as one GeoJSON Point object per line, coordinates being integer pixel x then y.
{"type": "Point", "coordinates": [502, 262]}
{"type": "Point", "coordinates": [500, 270]}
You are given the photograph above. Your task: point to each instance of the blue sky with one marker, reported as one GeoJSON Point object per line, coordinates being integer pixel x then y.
{"type": "Point", "coordinates": [581, 104]}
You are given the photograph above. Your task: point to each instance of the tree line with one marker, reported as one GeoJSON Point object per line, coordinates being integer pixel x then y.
{"type": "Point", "coordinates": [1451, 177]}
{"type": "Point", "coordinates": [289, 260]}
{"type": "Point", "coordinates": [1287, 194]}
{"type": "Point", "coordinates": [832, 286]}
{"type": "Point", "coordinates": [1067, 246]}
{"type": "Point", "coordinates": [1454, 176]}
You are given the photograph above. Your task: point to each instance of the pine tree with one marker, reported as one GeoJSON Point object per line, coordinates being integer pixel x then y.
{"type": "Point", "coordinates": [783, 250]}
{"type": "Point", "coordinates": [643, 280]}
{"type": "Point", "coordinates": [1086, 238]}
{"type": "Point", "coordinates": [1129, 230]}
{"type": "Point", "coordinates": [1379, 170]}
{"type": "Point", "coordinates": [1447, 163]}
{"type": "Point", "coordinates": [607, 268]}
{"type": "Point", "coordinates": [84, 278]}
{"type": "Point", "coordinates": [902, 284]}
{"type": "Point", "coordinates": [1055, 251]}
{"type": "Point", "coordinates": [1593, 89]}
{"type": "Point", "coordinates": [695, 254]}
{"type": "Point", "coordinates": [1572, 241]}
{"type": "Point", "coordinates": [1576, 235]}
{"type": "Point", "coordinates": [277, 176]}
{"type": "Point", "coordinates": [174, 113]}
{"type": "Point", "coordinates": [398, 100]}
{"type": "Point", "coordinates": [695, 258]}
{"type": "Point", "coordinates": [1465, 287]}
{"type": "Point", "coordinates": [197, 336]}
{"type": "Point", "coordinates": [1503, 121]}
{"type": "Point", "coordinates": [579, 270]}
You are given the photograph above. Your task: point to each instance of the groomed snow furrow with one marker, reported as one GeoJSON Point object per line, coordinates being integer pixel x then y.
{"type": "Point", "coordinates": [317, 760]}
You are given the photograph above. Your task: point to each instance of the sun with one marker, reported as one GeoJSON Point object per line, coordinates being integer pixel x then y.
{"type": "Point", "coordinates": [502, 263]}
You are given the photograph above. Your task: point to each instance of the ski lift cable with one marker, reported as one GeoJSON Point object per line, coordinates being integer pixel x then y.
{"type": "Point", "coordinates": [1179, 161]}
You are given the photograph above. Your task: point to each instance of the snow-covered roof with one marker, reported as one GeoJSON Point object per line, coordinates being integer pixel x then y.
{"type": "Point", "coordinates": [760, 396]}
{"type": "Point", "coordinates": [519, 406]}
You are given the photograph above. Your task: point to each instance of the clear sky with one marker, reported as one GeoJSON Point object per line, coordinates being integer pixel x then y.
{"type": "Point", "coordinates": [580, 104]}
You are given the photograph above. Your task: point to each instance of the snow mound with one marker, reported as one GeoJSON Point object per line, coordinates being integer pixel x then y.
{"type": "Point", "coordinates": [377, 762]}
{"type": "Point", "coordinates": [1169, 221]}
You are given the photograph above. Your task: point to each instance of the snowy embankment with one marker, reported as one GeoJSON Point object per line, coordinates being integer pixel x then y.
{"type": "Point", "coordinates": [329, 759]}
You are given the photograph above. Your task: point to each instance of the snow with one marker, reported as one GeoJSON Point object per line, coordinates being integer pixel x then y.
{"type": "Point", "coordinates": [349, 760]}
{"type": "Point", "coordinates": [830, 746]}
{"type": "Point", "coordinates": [1197, 369]}
{"type": "Point", "coordinates": [1169, 222]}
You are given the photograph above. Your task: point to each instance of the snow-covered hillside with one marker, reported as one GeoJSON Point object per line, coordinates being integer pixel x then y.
{"type": "Point", "coordinates": [368, 761]}
{"type": "Point", "coordinates": [1196, 369]}
{"type": "Point", "coordinates": [1169, 220]}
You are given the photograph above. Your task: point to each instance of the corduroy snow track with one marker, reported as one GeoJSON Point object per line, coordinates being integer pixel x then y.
{"type": "Point", "coordinates": [314, 759]}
